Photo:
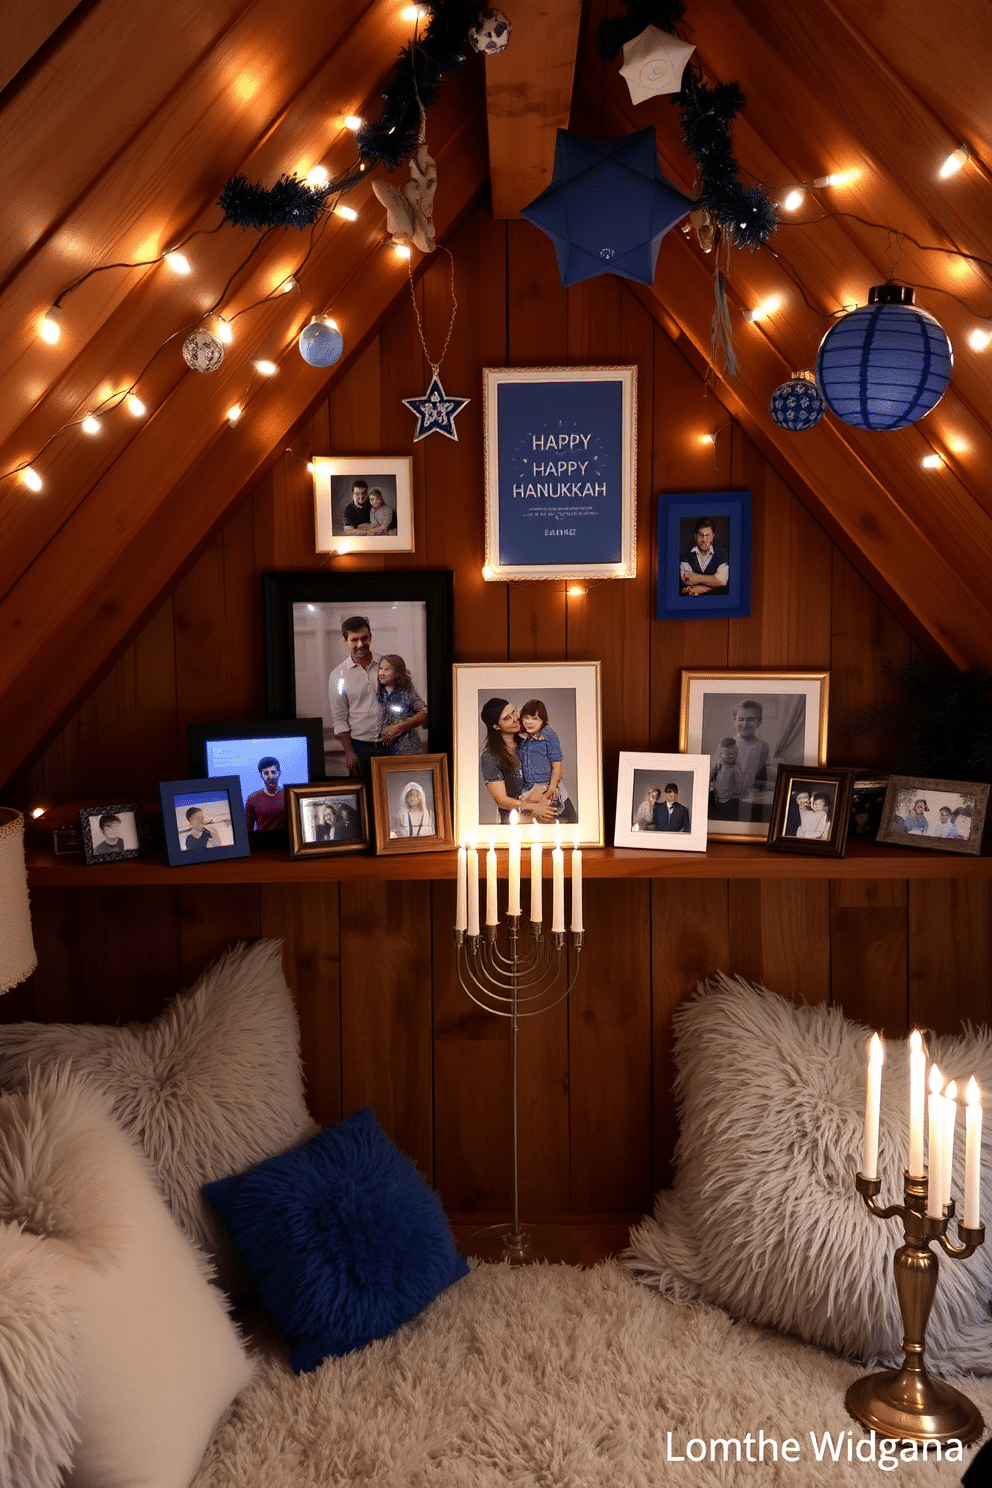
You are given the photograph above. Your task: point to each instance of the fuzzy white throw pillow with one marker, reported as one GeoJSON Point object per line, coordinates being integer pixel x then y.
{"type": "Point", "coordinates": [211, 1086]}
{"type": "Point", "coordinates": [764, 1219]}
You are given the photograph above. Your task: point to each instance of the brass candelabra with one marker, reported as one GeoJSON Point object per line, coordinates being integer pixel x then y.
{"type": "Point", "coordinates": [907, 1404]}
{"type": "Point", "coordinates": [517, 982]}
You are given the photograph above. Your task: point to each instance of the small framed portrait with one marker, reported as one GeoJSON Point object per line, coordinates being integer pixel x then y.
{"type": "Point", "coordinates": [367, 653]}
{"type": "Point", "coordinates": [751, 724]}
{"type": "Point", "coordinates": [363, 503]}
{"type": "Point", "coordinates": [662, 802]}
{"type": "Point", "coordinates": [943, 815]}
{"type": "Point", "coordinates": [203, 821]}
{"type": "Point", "coordinates": [527, 740]}
{"type": "Point", "coordinates": [411, 804]}
{"type": "Point", "coordinates": [267, 755]}
{"type": "Point", "coordinates": [112, 834]}
{"type": "Point", "coordinates": [327, 819]}
{"type": "Point", "coordinates": [867, 800]}
{"type": "Point", "coordinates": [704, 555]}
{"type": "Point", "coordinates": [811, 812]}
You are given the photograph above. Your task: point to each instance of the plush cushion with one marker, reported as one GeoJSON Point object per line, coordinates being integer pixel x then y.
{"type": "Point", "coordinates": [211, 1085]}
{"type": "Point", "coordinates": [343, 1237]}
{"type": "Point", "coordinates": [764, 1218]}
{"type": "Point", "coordinates": [137, 1346]}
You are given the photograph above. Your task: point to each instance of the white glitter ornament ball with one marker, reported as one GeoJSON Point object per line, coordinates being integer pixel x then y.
{"type": "Point", "coordinates": [491, 32]}
{"type": "Point", "coordinates": [203, 351]}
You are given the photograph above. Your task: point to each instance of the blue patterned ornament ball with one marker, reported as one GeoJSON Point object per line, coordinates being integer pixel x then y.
{"type": "Point", "coordinates": [321, 343]}
{"type": "Point", "coordinates": [203, 351]}
{"type": "Point", "coordinates": [886, 364]}
{"type": "Point", "coordinates": [797, 404]}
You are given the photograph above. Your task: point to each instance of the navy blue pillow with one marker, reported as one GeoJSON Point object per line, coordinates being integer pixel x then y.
{"type": "Point", "coordinates": [343, 1237]}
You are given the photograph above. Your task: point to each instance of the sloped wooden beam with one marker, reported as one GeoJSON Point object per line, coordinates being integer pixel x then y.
{"type": "Point", "coordinates": [528, 98]}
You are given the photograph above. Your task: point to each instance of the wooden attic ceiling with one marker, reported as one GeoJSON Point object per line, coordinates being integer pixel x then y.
{"type": "Point", "coordinates": [121, 123]}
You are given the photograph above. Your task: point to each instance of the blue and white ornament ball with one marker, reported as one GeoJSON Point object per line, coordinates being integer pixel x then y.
{"type": "Point", "coordinates": [797, 404]}
{"type": "Point", "coordinates": [321, 343]}
{"type": "Point", "coordinates": [203, 351]}
{"type": "Point", "coordinates": [491, 32]}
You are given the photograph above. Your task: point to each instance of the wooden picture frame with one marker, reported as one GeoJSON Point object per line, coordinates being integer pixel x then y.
{"type": "Point", "coordinates": [811, 812]}
{"type": "Point", "coordinates": [964, 803]}
{"type": "Point", "coordinates": [334, 480]}
{"type": "Point", "coordinates": [327, 819]}
{"type": "Point", "coordinates": [410, 613]}
{"type": "Point", "coordinates": [222, 833]}
{"type": "Point", "coordinates": [649, 814]}
{"type": "Point", "coordinates": [561, 472]}
{"type": "Point", "coordinates": [787, 717]}
{"type": "Point", "coordinates": [727, 514]}
{"type": "Point", "coordinates": [114, 834]}
{"type": "Point", "coordinates": [401, 825]}
{"type": "Point", "coordinates": [570, 693]}
{"type": "Point", "coordinates": [241, 748]}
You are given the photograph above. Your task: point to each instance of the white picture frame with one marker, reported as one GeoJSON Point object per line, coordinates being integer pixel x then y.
{"type": "Point", "coordinates": [639, 776]}
{"type": "Point", "coordinates": [334, 477]}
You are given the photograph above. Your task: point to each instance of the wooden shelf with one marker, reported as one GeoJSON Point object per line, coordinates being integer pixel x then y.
{"type": "Point", "coordinates": [863, 860]}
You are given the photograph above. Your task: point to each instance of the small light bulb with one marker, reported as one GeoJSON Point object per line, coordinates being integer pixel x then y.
{"type": "Point", "coordinates": [575, 590]}
{"type": "Point", "coordinates": [50, 326]}
{"type": "Point", "coordinates": [328, 320]}
{"type": "Point", "coordinates": [414, 12]}
{"type": "Point", "coordinates": [979, 340]}
{"type": "Point", "coordinates": [135, 406]}
{"type": "Point", "coordinates": [348, 213]}
{"type": "Point", "coordinates": [402, 250]}
{"type": "Point", "coordinates": [954, 162]}
{"type": "Point", "coordinates": [38, 811]}
{"type": "Point", "coordinates": [762, 311]}
{"type": "Point", "coordinates": [289, 285]}
{"type": "Point", "coordinates": [318, 176]}
{"type": "Point", "coordinates": [487, 572]}
{"type": "Point", "coordinates": [353, 122]}
{"type": "Point", "coordinates": [311, 467]}
{"type": "Point", "coordinates": [223, 330]}
{"type": "Point", "coordinates": [91, 424]}
{"type": "Point", "coordinates": [234, 413]}
{"type": "Point", "coordinates": [932, 462]}
{"type": "Point", "coordinates": [266, 368]}
{"type": "Point", "coordinates": [178, 262]}
{"type": "Point", "coordinates": [707, 439]}
{"type": "Point", "coordinates": [31, 478]}
{"type": "Point", "coordinates": [839, 178]}
{"type": "Point", "coordinates": [794, 200]}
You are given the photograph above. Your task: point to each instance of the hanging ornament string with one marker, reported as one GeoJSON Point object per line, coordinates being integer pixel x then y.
{"type": "Point", "coordinates": [434, 365]}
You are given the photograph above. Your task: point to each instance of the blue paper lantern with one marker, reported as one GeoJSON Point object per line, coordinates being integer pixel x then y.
{"type": "Point", "coordinates": [321, 343]}
{"type": "Point", "coordinates": [886, 365]}
{"type": "Point", "coordinates": [797, 405]}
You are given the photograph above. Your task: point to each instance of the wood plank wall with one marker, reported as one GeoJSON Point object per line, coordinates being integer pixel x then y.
{"type": "Point", "coordinates": [383, 1019]}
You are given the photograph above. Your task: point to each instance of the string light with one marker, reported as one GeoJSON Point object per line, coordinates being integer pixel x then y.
{"type": "Point", "coordinates": [954, 162]}
{"type": "Point", "coordinates": [402, 250]}
{"type": "Point", "coordinates": [766, 308]}
{"type": "Point", "coordinates": [794, 200]}
{"type": "Point", "coordinates": [266, 368]}
{"type": "Point", "coordinates": [348, 213]}
{"type": "Point", "coordinates": [707, 439]}
{"type": "Point", "coordinates": [353, 122]}
{"type": "Point", "coordinates": [90, 424]}
{"type": "Point", "coordinates": [839, 178]}
{"type": "Point", "coordinates": [318, 175]}
{"type": "Point", "coordinates": [223, 330]}
{"type": "Point", "coordinates": [289, 285]}
{"type": "Point", "coordinates": [574, 590]}
{"type": "Point", "coordinates": [50, 326]}
{"type": "Point", "coordinates": [931, 462]}
{"type": "Point", "coordinates": [31, 478]}
{"type": "Point", "coordinates": [38, 811]}
{"type": "Point", "coordinates": [135, 406]}
{"type": "Point", "coordinates": [978, 339]}
{"type": "Point", "coordinates": [178, 262]}
{"type": "Point", "coordinates": [234, 413]}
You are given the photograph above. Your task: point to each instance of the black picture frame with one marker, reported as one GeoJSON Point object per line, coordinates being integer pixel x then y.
{"type": "Point", "coordinates": [221, 791]}
{"type": "Point", "coordinates": [300, 662]}
{"type": "Point", "coordinates": [226, 748]}
{"type": "Point", "coordinates": [791, 823]}
{"type": "Point", "coordinates": [134, 835]}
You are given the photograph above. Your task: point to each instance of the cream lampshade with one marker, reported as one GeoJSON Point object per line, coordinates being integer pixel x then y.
{"type": "Point", "coordinates": [18, 957]}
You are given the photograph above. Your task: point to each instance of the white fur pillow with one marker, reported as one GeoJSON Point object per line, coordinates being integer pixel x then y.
{"type": "Point", "coordinates": [138, 1346]}
{"type": "Point", "coordinates": [764, 1219]}
{"type": "Point", "coordinates": [210, 1087]}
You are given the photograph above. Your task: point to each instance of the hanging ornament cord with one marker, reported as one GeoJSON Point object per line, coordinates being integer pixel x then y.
{"type": "Point", "coordinates": [434, 366]}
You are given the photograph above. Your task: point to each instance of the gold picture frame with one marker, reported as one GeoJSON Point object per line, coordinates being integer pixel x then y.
{"type": "Point", "coordinates": [405, 825]}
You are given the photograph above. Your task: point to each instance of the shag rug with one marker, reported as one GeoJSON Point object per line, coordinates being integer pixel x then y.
{"type": "Point", "coordinates": [555, 1377]}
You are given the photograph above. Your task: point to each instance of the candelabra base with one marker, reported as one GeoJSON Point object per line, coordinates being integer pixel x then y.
{"type": "Point", "coordinates": [522, 1247]}
{"type": "Point", "coordinates": [907, 1405]}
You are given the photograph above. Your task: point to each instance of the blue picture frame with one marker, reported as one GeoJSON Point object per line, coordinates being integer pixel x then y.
{"type": "Point", "coordinates": [678, 516]}
{"type": "Point", "coordinates": [220, 799]}
{"type": "Point", "coordinates": [561, 472]}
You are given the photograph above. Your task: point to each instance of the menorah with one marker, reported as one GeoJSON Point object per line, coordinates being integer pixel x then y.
{"type": "Point", "coordinates": [517, 980]}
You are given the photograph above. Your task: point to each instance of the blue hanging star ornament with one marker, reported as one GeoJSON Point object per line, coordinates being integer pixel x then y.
{"type": "Point", "coordinates": [608, 206]}
{"type": "Point", "coordinates": [436, 413]}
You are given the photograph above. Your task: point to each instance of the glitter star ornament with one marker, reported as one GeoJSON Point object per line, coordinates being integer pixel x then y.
{"type": "Point", "coordinates": [436, 413]}
{"type": "Point", "coordinates": [653, 63]}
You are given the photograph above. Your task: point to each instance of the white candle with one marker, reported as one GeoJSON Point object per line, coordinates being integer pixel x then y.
{"type": "Point", "coordinates": [492, 912]}
{"type": "Point", "coordinates": [935, 1153]}
{"type": "Point", "coordinates": [557, 883]}
{"type": "Point", "coordinates": [917, 1094]}
{"type": "Point", "coordinates": [869, 1160]}
{"type": "Point", "coordinates": [513, 867]}
{"type": "Point", "coordinates": [461, 891]}
{"type": "Point", "coordinates": [972, 1155]}
{"type": "Point", "coordinates": [473, 890]}
{"type": "Point", "coordinates": [576, 886]}
{"type": "Point", "coordinates": [536, 872]}
{"type": "Point", "coordinates": [947, 1153]}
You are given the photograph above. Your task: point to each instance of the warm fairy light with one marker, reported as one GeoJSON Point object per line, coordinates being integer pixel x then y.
{"type": "Point", "coordinates": [414, 12]}
{"type": "Point", "coordinates": [223, 330]}
{"type": "Point", "coordinates": [135, 407]}
{"type": "Point", "coordinates": [329, 321]}
{"type": "Point", "coordinates": [487, 572]}
{"type": "Point", "coordinates": [762, 311]}
{"type": "Point", "coordinates": [954, 162]}
{"type": "Point", "coordinates": [90, 424]}
{"type": "Point", "coordinates": [178, 262]}
{"type": "Point", "coordinates": [575, 590]}
{"type": "Point", "coordinates": [31, 478]}
{"type": "Point", "coordinates": [957, 445]}
{"type": "Point", "coordinates": [50, 326]}
{"type": "Point", "coordinates": [234, 413]}
{"type": "Point", "coordinates": [40, 811]}
{"type": "Point", "coordinates": [266, 368]}
{"type": "Point", "coordinates": [707, 439]}
{"type": "Point", "coordinates": [289, 285]}
{"type": "Point", "coordinates": [838, 178]}
{"type": "Point", "coordinates": [402, 250]}
{"type": "Point", "coordinates": [794, 200]}
{"type": "Point", "coordinates": [311, 467]}
{"type": "Point", "coordinates": [348, 213]}
{"type": "Point", "coordinates": [979, 340]}
{"type": "Point", "coordinates": [318, 175]}
{"type": "Point", "coordinates": [931, 462]}
{"type": "Point", "coordinates": [353, 122]}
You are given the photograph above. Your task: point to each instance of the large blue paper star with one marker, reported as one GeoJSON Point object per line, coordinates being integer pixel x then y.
{"type": "Point", "coordinates": [608, 206]}
{"type": "Point", "coordinates": [436, 413]}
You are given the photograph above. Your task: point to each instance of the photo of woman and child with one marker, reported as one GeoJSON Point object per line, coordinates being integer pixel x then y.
{"type": "Point", "coordinates": [809, 811]}
{"type": "Point", "coordinates": [522, 764]}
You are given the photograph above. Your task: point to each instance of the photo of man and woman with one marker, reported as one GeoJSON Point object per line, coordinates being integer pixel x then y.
{"type": "Point", "coordinates": [363, 506]}
{"type": "Point", "coordinates": [662, 804]}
